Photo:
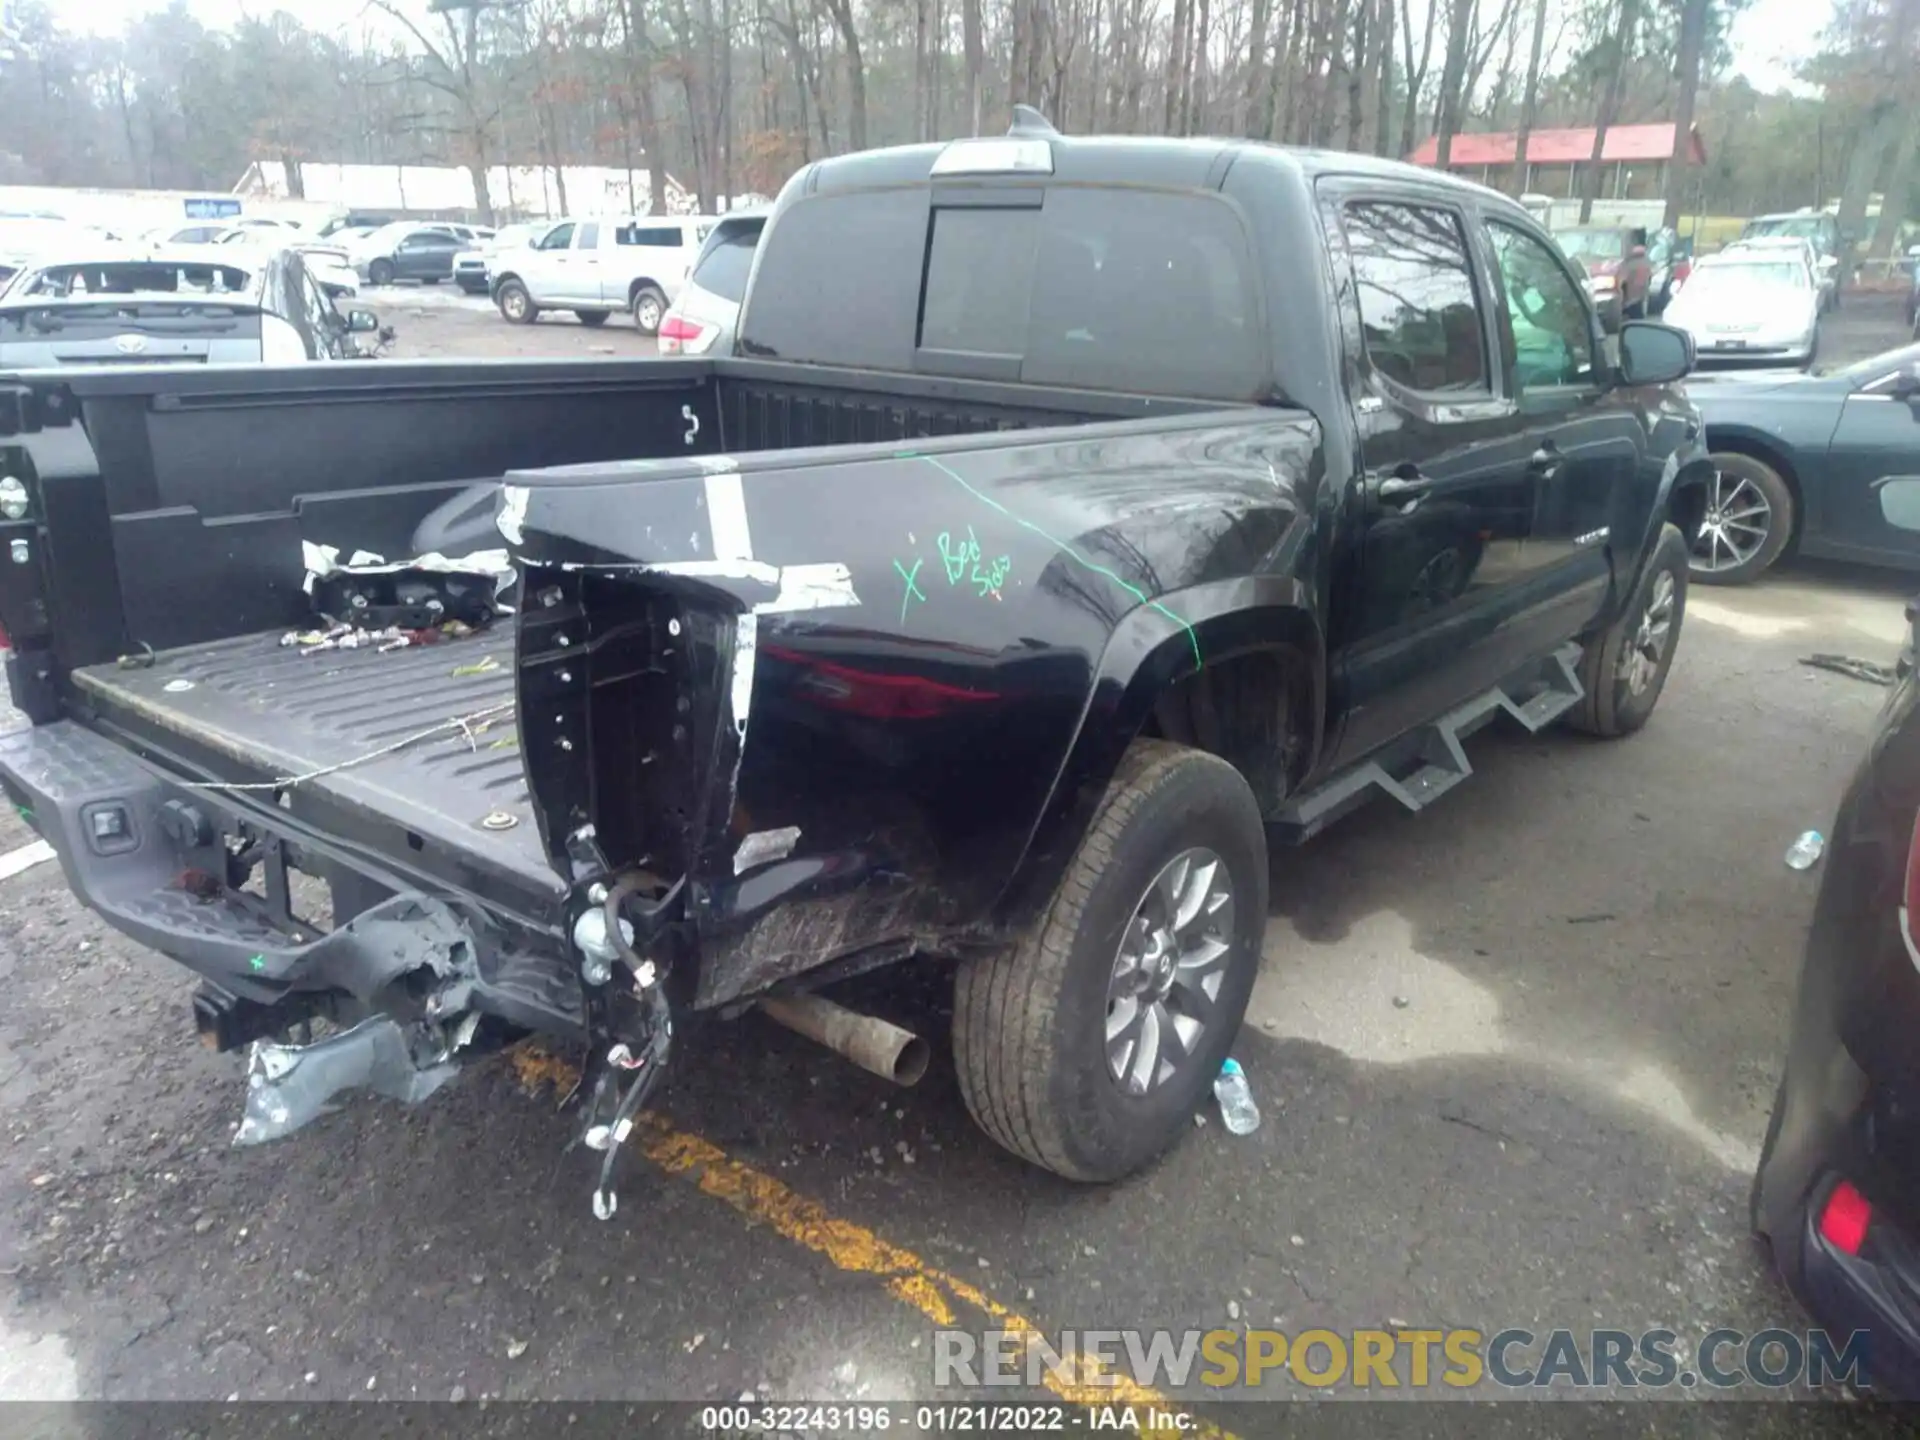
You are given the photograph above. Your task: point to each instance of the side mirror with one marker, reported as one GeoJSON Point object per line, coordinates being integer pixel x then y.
{"type": "Point", "coordinates": [1654, 354]}
{"type": "Point", "coordinates": [362, 322]}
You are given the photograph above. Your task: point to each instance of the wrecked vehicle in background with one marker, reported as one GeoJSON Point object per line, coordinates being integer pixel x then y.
{"type": "Point", "coordinates": [1053, 537]}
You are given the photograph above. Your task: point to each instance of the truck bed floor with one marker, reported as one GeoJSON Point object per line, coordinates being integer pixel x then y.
{"type": "Point", "coordinates": [269, 712]}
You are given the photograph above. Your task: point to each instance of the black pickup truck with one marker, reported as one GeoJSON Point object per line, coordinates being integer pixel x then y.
{"type": "Point", "coordinates": [1076, 519]}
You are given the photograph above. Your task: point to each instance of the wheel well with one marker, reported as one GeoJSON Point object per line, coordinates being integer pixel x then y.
{"type": "Point", "coordinates": [1738, 444]}
{"type": "Point", "coordinates": [633, 290]}
{"type": "Point", "coordinates": [500, 280]}
{"type": "Point", "coordinates": [1253, 710]}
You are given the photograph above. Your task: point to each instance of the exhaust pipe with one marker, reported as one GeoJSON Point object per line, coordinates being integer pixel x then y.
{"type": "Point", "coordinates": [875, 1045]}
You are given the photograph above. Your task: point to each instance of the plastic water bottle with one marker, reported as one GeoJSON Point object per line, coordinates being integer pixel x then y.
{"type": "Point", "coordinates": [1237, 1109]}
{"type": "Point", "coordinates": [1805, 852]}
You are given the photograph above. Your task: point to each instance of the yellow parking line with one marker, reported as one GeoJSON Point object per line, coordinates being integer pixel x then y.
{"type": "Point", "coordinates": [935, 1293]}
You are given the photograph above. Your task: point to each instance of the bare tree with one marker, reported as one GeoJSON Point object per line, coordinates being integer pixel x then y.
{"type": "Point", "coordinates": [453, 68]}
{"type": "Point", "coordinates": [1529, 103]}
{"type": "Point", "coordinates": [1609, 104]}
{"type": "Point", "coordinates": [1453, 77]}
{"type": "Point", "coordinates": [841, 13]}
{"type": "Point", "coordinates": [1416, 74]}
{"type": "Point", "coordinates": [1693, 36]}
{"type": "Point", "coordinates": [976, 60]}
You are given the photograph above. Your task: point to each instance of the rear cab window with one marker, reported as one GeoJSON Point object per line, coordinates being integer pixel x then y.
{"type": "Point", "coordinates": [1086, 286]}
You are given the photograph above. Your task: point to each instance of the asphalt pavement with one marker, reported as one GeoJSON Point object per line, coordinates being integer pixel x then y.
{"type": "Point", "coordinates": [1514, 1057]}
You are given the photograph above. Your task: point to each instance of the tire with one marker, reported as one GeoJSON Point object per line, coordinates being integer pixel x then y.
{"type": "Point", "coordinates": [593, 317]}
{"type": "Point", "coordinates": [1030, 1021]}
{"type": "Point", "coordinates": [516, 305]}
{"type": "Point", "coordinates": [1620, 693]}
{"type": "Point", "coordinates": [380, 272]}
{"type": "Point", "coordinates": [467, 289]}
{"type": "Point", "coordinates": [429, 279]}
{"type": "Point", "coordinates": [1726, 552]}
{"type": "Point", "coordinates": [648, 308]}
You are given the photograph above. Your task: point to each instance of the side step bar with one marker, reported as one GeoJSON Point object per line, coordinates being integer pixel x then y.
{"type": "Point", "coordinates": [1422, 765]}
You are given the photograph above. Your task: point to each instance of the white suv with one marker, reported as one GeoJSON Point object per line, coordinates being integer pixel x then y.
{"type": "Point", "coordinates": [594, 267]}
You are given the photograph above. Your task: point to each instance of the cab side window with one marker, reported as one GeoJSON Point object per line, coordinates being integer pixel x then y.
{"type": "Point", "coordinates": [558, 238]}
{"type": "Point", "coordinates": [1552, 332]}
{"type": "Point", "coordinates": [1414, 285]}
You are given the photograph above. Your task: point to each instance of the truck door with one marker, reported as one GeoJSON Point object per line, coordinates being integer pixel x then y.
{"type": "Point", "coordinates": [544, 267]}
{"type": "Point", "coordinates": [1876, 441]}
{"type": "Point", "coordinates": [1435, 571]}
{"type": "Point", "coordinates": [579, 267]}
{"type": "Point", "coordinates": [1584, 444]}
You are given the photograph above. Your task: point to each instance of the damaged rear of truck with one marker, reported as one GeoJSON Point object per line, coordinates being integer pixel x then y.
{"type": "Point", "coordinates": [977, 611]}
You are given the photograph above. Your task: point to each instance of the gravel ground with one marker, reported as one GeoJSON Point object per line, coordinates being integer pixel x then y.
{"type": "Point", "coordinates": [1514, 1057]}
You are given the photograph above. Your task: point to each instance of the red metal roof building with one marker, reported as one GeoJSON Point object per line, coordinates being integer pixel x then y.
{"type": "Point", "coordinates": [1637, 154]}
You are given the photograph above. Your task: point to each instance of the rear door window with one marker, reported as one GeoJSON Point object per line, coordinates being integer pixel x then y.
{"type": "Point", "coordinates": [587, 237]}
{"type": "Point", "coordinates": [1421, 325]}
{"type": "Point", "coordinates": [664, 237]}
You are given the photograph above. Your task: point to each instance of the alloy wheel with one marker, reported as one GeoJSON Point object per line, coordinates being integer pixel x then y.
{"type": "Point", "coordinates": [1737, 522]}
{"type": "Point", "coordinates": [1640, 660]}
{"type": "Point", "coordinates": [1168, 972]}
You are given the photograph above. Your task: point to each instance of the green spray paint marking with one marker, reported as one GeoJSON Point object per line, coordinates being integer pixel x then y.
{"type": "Point", "coordinates": [913, 587]}
{"type": "Point", "coordinates": [257, 963]}
{"type": "Point", "coordinates": [24, 813]}
{"type": "Point", "coordinates": [1062, 546]}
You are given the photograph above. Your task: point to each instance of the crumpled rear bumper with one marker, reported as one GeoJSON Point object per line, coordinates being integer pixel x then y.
{"type": "Point", "coordinates": [153, 856]}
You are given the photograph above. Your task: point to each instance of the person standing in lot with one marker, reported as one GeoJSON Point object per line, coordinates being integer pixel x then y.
{"type": "Point", "coordinates": [1636, 277]}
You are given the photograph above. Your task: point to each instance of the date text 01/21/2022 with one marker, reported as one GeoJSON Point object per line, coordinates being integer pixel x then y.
{"type": "Point", "coordinates": [963, 1418]}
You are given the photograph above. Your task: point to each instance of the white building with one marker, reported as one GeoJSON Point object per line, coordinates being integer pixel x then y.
{"type": "Point", "coordinates": [528, 191]}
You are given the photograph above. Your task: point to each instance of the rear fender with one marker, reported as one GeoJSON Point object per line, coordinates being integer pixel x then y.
{"type": "Point", "coordinates": [1152, 651]}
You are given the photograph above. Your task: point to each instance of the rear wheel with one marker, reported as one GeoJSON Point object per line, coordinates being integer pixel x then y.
{"type": "Point", "coordinates": [515, 303]}
{"type": "Point", "coordinates": [1748, 522]}
{"type": "Point", "coordinates": [649, 307]}
{"type": "Point", "coordinates": [380, 272]}
{"type": "Point", "coordinates": [593, 317]}
{"type": "Point", "coordinates": [1624, 668]}
{"type": "Point", "coordinates": [1086, 1045]}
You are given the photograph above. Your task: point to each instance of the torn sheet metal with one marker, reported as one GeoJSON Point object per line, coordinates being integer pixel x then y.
{"type": "Point", "coordinates": [763, 847]}
{"type": "Point", "coordinates": [324, 560]}
{"type": "Point", "coordinates": [511, 519]}
{"type": "Point", "coordinates": [370, 592]}
{"type": "Point", "coordinates": [289, 1086]}
{"type": "Point", "coordinates": [745, 641]}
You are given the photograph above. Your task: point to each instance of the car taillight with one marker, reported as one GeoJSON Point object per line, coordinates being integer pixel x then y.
{"type": "Point", "coordinates": [5, 643]}
{"type": "Point", "coordinates": [1844, 1219]}
{"type": "Point", "coordinates": [1681, 270]}
{"type": "Point", "coordinates": [681, 336]}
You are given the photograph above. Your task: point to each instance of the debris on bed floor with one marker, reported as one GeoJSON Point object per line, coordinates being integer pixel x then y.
{"type": "Point", "coordinates": [369, 602]}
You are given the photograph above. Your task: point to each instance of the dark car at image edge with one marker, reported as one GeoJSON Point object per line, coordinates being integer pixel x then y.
{"type": "Point", "coordinates": [1837, 1193]}
{"type": "Point", "coordinates": [1071, 517]}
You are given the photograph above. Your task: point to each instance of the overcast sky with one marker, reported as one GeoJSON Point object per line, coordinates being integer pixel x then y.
{"type": "Point", "coordinates": [1768, 40]}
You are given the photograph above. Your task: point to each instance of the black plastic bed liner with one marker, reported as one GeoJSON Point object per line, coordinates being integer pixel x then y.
{"type": "Point", "coordinates": [262, 711]}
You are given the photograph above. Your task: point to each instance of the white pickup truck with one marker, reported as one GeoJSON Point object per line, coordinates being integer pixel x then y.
{"type": "Point", "coordinates": [594, 267]}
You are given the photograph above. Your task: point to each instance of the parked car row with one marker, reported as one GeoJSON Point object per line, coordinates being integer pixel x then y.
{"type": "Point", "coordinates": [170, 305]}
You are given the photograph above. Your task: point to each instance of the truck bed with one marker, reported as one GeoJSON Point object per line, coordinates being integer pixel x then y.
{"type": "Point", "coordinates": [261, 711]}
